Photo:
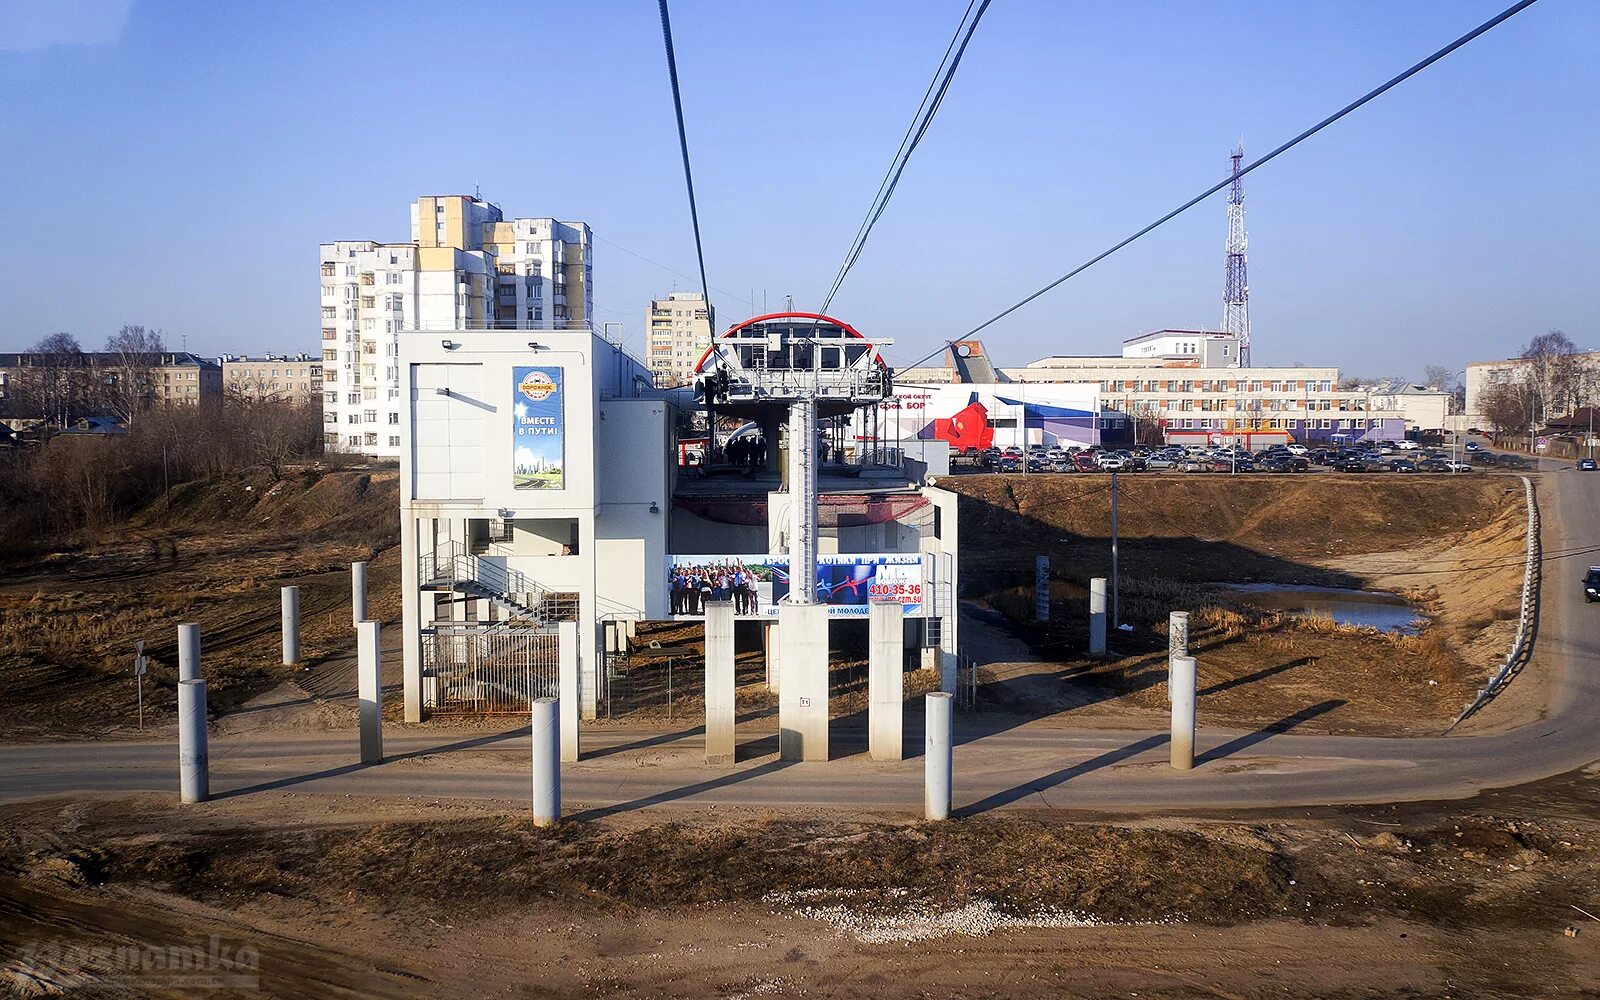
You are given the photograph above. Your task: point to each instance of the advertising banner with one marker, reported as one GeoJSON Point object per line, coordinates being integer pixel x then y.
{"type": "Point", "coordinates": [539, 430]}
{"type": "Point", "coordinates": [847, 584]}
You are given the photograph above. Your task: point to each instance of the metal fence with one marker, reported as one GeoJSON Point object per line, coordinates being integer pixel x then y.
{"type": "Point", "coordinates": [490, 669]}
{"type": "Point", "coordinates": [1522, 646]}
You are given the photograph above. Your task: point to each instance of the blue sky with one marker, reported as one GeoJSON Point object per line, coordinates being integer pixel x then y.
{"type": "Point", "coordinates": [176, 164]}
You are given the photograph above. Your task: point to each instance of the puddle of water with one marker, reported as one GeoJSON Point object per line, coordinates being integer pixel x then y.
{"type": "Point", "coordinates": [1361, 608]}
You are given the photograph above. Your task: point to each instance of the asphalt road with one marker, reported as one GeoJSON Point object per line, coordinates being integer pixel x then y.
{"type": "Point", "coordinates": [999, 762]}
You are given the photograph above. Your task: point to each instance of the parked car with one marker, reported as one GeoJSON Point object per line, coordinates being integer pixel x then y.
{"type": "Point", "coordinates": [1434, 465]}
{"type": "Point", "coordinates": [1195, 463]}
{"type": "Point", "coordinates": [1586, 465]}
{"type": "Point", "coordinates": [1297, 449]}
{"type": "Point", "coordinates": [1111, 462]}
{"type": "Point", "coordinates": [1010, 463]}
{"type": "Point", "coordinates": [1063, 464]}
{"type": "Point", "coordinates": [1591, 585]}
{"type": "Point", "coordinates": [1473, 446]}
{"type": "Point", "coordinates": [1407, 445]}
{"type": "Point", "coordinates": [1012, 451]}
{"type": "Point", "coordinates": [1038, 463]}
{"type": "Point", "coordinates": [1352, 463]}
{"type": "Point", "coordinates": [1403, 465]}
{"type": "Point", "coordinates": [1278, 463]}
{"type": "Point", "coordinates": [1161, 462]}
{"type": "Point", "coordinates": [1457, 467]}
{"type": "Point", "coordinates": [1085, 462]}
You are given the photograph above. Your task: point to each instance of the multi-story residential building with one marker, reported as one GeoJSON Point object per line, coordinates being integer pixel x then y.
{"type": "Point", "coordinates": [466, 268]}
{"type": "Point", "coordinates": [677, 333]}
{"type": "Point", "coordinates": [1481, 376]}
{"type": "Point", "coordinates": [1421, 407]}
{"type": "Point", "coordinates": [59, 386]}
{"type": "Point", "coordinates": [296, 378]}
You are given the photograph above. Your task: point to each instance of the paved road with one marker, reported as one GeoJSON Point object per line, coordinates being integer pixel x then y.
{"type": "Point", "coordinates": [996, 766]}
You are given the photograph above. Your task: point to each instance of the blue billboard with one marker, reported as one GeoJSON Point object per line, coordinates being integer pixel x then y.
{"type": "Point", "coordinates": [756, 585]}
{"type": "Point", "coordinates": [539, 430]}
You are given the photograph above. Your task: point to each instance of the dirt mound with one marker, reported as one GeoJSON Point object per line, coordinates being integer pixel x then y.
{"type": "Point", "coordinates": [362, 505]}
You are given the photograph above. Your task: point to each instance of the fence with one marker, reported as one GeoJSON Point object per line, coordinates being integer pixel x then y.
{"type": "Point", "coordinates": [490, 670]}
{"type": "Point", "coordinates": [1522, 646]}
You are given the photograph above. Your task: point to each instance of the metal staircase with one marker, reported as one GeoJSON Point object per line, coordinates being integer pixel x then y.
{"type": "Point", "coordinates": [525, 601]}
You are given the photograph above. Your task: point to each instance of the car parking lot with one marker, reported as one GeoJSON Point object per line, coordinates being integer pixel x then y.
{"type": "Point", "coordinates": [1398, 458]}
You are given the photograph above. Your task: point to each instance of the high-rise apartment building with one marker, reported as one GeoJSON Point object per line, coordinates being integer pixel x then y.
{"type": "Point", "coordinates": [467, 267]}
{"type": "Point", "coordinates": [677, 333]}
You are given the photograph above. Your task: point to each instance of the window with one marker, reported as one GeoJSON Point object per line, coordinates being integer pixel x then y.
{"type": "Point", "coordinates": [329, 312]}
{"type": "Point", "coordinates": [371, 438]}
{"type": "Point", "coordinates": [354, 399]}
{"type": "Point", "coordinates": [394, 440]}
{"type": "Point", "coordinates": [370, 416]}
{"type": "Point", "coordinates": [353, 440]}
{"type": "Point", "coordinates": [394, 418]}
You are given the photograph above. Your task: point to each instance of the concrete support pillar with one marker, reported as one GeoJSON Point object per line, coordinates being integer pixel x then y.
{"type": "Point", "coordinates": [886, 654]}
{"type": "Point", "coordinates": [719, 682]}
{"type": "Point", "coordinates": [290, 601]}
{"type": "Point", "coordinates": [938, 791]}
{"type": "Point", "coordinates": [771, 643]}
{"type": "Point", "coordinates": [411, 608]}
{"type": "Point", "coordinates": [369, 690]}
{"type": "Point", "coordinates": [194, 763]}
{"type": "Point", "coordinates": [803, 700]}
{"type": "Point", "coordinates": [188, 652]}
{"type": "Point", "coordinates": [546, 728]}
{"type": "Point", "coordinates": [567, 651]}
{"type": "Point", "coordinates": [358, 592]}
{"type": "Point", "coordinates": [1177, 639]}
{"type": "Point", "coordinates": [1041, 588]}
{"type": "Point", "coordinates": [1097, 616]}
{"type": "Point", "coordinates": [1181, 691]}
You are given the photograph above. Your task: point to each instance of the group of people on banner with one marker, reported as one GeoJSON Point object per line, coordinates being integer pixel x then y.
{"type": "Point", "coordinates": [691, 586]}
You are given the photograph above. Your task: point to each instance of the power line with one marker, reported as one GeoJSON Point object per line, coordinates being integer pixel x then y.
{"type": "Point", "coordinates": [926, 110]}
{"type": "Point", "coordinates": [688, 175]}
{"type": "Point", "coordinates": [670, 270]}
{"type": "Point", "coordinates": [1225, 182]}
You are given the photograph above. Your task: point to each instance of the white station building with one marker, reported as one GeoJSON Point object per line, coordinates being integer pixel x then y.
{"type": "Point", "coordinates": [548, 507]}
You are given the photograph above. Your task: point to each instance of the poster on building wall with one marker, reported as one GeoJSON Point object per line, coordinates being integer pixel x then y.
{"type": "Point", "coordinates": [756, 585]}
{"type": "Point", "coordinates": [538, 428]}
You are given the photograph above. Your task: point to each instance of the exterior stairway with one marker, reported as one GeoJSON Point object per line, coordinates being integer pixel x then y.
{"type": "Point", "coordinates": [526, 602]}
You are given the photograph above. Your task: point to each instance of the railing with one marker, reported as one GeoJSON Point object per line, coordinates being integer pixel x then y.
{"type": "Point", "coordinates": [450, 565]}
{"type": "Point", "coordinates": [1522, 646]}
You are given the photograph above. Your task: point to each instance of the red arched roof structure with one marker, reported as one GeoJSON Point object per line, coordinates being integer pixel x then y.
{"type": "Point", "coordinates": [752, 321]}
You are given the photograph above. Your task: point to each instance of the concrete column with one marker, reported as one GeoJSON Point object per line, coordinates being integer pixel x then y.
{"type": "Point", "coordinates": [546, 729]}
{"type": "Point", "coordinates": [369, 689]}
{"type": "Point", "coordinates": [1177, 639]}
{"type": "Point", "coordinates": [886, 653]}
{"type": "Point", "coordinates": [719, 683]}
{"type": "Point", "coordinates": [1181, 691]}
{"type": "Point", "coordinates": [410, 616]}
{"type": "Point", "coordinates": [1041, 588]}
{"type": "Point", "coordinates": [567, 651]}
{"type": "Point", "coordinates": [1097, 616]}
{"type": "Point", "coordinates": [938, 792]}
{"type": "Point", "coordinates": [771, 642]}
{"type": "Point", "coordinates": [194, 764]}
{"type": "Point", "coordinates": [803, 700]}
{"type": "Point", "coordinates": [290, 599]}
{"type": "Point", "coordinates": [358, 592]}
{"type": "Point", "coordinates": [188, 652]}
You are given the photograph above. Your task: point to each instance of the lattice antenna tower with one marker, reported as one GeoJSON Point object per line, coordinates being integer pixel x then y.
{"type": "Point", "coordinates": [1236, 291]}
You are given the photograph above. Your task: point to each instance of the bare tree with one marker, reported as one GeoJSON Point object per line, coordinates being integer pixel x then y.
{"type": "Point", "coordinates": [135, 354]}
{"type": "Point", "coordinates": [1553, 373]}
{"type": "Point", "coordinates": [53, 385]}
{"type": "Point", "coordinates": [1509, 406]}
{"type": "Point", "coordinates": [1438, 377]}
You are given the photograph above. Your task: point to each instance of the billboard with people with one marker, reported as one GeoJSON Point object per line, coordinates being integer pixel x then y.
{"type": "Point", "coordinates": [756, 585]}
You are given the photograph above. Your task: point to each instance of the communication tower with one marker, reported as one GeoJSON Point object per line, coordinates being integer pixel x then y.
{"type": "Point", "coordinates": [1236, 291]}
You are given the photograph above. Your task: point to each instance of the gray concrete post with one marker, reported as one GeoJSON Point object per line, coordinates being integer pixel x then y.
{"type": "Point", "coordinates": [546, 728]}
{"type": "Point", "coordinates": [1097, 616]}
{"type": "Point", "coordinates": [938, 757]}
{"type": "Point", "coordinates": [1177, 639]}
{"type": "Point", "coordinates": [188, 652]}
{"type": "Point", "coordinates": [369, 690]}
{"type": "Point", "coordinates": [194, 763]}
{"type": "Point", "coordinates": [886, 654]}
{"type": "Point", "coordinates": [803, 699]}
{"type": "Point", "coordinates": [1181, 692]}
{"type": "Point", "coordinates": [567, 653]}
{"type": "Point", "coordinates": [719, 682]}
{"type": "Point", "coordinates": [771, 644]}
{"type": "Point", "coordinates": [290, 601]}
{"type": "Point", "coordinates": [358, 592]}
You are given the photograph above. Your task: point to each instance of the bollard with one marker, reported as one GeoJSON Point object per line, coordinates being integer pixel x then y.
{"type": "Point", "coordinates": [1097, 616]}
{"type": "Point", "coordinates": [358, 592]}
{"type": "Point", "coordinates": [188, 652]}
{"type": "Point", "coordinates": [291, 624]}
{"type": "Point", "coordinates": [1177, 640]}
{"type": "Point", "coordinates": [1181, 691]}
{"type": "Point", "coordinates": [194, 777]}
{"type": "Point", "coordinates": [938, 757]}
{"type": "Point", "coordinates": [546, 729]}
{"type": "Point", "coordinates": [369, 690]}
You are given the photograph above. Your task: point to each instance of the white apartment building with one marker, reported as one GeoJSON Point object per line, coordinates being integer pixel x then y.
{"type": "Point", "coordinates": [677, 334]}
{"type": "Point", "coordinates": [466, 268]}
{"type": "Point", "coordinates": [296, 378]}
{"type": "Point", "coordinates": [1481, 376]}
